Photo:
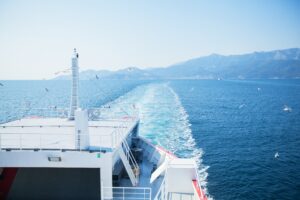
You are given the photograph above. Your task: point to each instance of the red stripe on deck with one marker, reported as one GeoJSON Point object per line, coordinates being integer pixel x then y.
{"type": "Point", "coordinates": [169, 153]}
{"type": "Point", "coordinates": [6, 181]}
{"type": "Point", "coordinates": [200, 192]}
{"type": "Point", "coordinates": [166, 151]}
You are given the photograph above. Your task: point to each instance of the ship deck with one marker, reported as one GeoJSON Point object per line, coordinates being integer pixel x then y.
{"type": "Point", "coordinates": [58, 133]}
{"type": "Point", "coordinates": [144, 180]}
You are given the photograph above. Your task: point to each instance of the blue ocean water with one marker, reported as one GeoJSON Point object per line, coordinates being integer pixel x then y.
{"type": "Point", "coordinates": [19, 96]}
{"type": "Point", "coordinates": [240, 125]}
{"type": "Point", "coordinates": [232, 128]}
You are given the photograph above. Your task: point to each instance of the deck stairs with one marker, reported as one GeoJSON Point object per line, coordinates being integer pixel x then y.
{"type": "Point", "coordinates": [130, 163]}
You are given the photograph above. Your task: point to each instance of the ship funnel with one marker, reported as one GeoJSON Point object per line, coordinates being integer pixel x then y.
{"type": "Point", "coordinates": [75, 82]}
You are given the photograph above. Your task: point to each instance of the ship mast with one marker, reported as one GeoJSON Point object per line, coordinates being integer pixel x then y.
{"type": "Point", "coordinates": [74, 104]}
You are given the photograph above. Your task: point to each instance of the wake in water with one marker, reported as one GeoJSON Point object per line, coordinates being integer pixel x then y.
{"type": "Point", "coordinates": [163, 120]}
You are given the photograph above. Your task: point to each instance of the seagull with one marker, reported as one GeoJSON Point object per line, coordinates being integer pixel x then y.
{"type": "Point", "coordinates": [241, 106]}
{"type": "Point", "coordinates": [276, 155]}
{"type": "Point", "coordinates": [46, 89]}
{"type": "Point", "coordinates": [63, 71]}
{"type": "Point", "coordinates": [287, 109]}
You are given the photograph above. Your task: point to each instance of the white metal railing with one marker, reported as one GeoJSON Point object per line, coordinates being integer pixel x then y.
{"type": "Point", "coordinates": [109, 113]}
{"type": "Point", "coordinates": [129, 162]}
{"type": "Point", "coordinates": [35, 137]}
{"type": "Point", "coordinates": [162, 193]}
{"type": "Point", "coordinates": [41, 141]}
{"type": "Point", "coordinates": [180, 196]}
{"type": "Point", "coordinates": [126, 193]}
{"type": "Point", "coordinates": [118, 134]}
{"type": "Point", "coordinates": [53, 111]}
{"type": "Point", "coordinates": [130, 156]}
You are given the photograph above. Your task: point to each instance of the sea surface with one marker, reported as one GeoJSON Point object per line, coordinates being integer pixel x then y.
{"type": "Point", "coordinates": [233, 128]}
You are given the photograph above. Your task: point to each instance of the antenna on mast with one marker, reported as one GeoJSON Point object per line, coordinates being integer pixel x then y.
{"type": "Point", "coordinates": [74, 104]}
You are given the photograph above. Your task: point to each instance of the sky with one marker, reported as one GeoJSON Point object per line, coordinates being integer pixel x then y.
{"type": "Point", "coordinates": [37, 37]}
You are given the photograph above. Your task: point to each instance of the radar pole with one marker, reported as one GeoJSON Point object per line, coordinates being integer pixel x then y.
{"type": "Point", "coordinates": [74, 104]}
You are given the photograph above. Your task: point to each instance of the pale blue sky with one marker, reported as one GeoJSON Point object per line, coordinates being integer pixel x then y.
{"type": "Point", "coordinates": [37, 37]}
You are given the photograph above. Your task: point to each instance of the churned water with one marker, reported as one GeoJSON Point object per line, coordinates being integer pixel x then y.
{"type": "Point", "coordinates": [233, 129]}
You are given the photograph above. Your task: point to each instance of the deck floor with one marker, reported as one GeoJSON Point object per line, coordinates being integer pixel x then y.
{"type": "Point", "coordinates": [144, 181]}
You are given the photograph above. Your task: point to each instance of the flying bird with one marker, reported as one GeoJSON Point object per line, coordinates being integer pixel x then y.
{"type": "Point", "coordinates": [63, 71]}
{"type": "Point", "coordinates": [46, 89]}
{"type": "Point", "coordinates": [287, 108]}
{"type": "Point", "coordinates": [241, 106]}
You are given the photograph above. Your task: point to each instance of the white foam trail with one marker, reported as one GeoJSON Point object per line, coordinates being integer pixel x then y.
{"type": "Point", "coordinates": [196, 152]}
{"type": "Point", "coordinates": [164, 121]}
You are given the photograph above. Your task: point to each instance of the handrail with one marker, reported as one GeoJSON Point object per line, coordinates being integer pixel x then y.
{"type": "Point", "coordinates": [59, 141]}
{"type": "Point", "coordinates": [126, 193]}
{"type": "Point", "coordinates": [130, 155]}
{"type": "Point", "coordinates": [94, 114]}
{"type": "Point", "coordinates": [198, 189]}
{"type": "Point", "coordinates": [181, 195]}
{"type": "Point", "coordinates": [52, 134]}
{"type": "Point", "coordinates": [57, 126]}
{"type": "Point", "coordinates": [13, 140]}
{"type": "Point", "coordinates": [161, 193]}
{"type": "Point", "coordinates": [134, 167]}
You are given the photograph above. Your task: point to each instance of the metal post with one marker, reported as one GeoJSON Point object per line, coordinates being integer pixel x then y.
{"type": "Point", "coordinates": [20, 141]}
{"type": "Point", "coordinates": [112, 141]}
{"type": "Point", "coordinates": [40, 141]}
{"type": "Point", "coordinates": [61, 145]}
{"type": "Point", "coordinates": [123, 193]}
{"type": "Point", "coordinates": [100, 143]}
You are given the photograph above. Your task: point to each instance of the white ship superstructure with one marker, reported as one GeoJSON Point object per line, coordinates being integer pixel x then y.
{"type": "Point", "coordinates": [75, 157]}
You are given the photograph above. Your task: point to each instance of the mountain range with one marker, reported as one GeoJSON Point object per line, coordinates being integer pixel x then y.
{"type": "Point", "coordinates": [271, 65]}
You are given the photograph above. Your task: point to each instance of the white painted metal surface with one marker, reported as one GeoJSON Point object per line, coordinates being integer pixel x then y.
{"type": "Point", "coordinates": [58, 133]}
{"type": "Point", "coordinates": [82, 138]}
{"type": "Point", "coordinates": [74, 104]}
{"type": "Point", "coordinates": [161, 169]}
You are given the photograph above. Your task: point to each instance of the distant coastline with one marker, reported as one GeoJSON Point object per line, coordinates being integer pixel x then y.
{"type": "Point", "coordinates": [277, 64]}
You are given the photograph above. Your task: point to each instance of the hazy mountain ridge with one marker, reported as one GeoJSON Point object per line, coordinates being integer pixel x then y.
{"type": "Point", "coordinates": [272, 64]}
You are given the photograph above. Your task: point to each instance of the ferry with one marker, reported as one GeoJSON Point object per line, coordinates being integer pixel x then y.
{"type": "Point", "coordinates": [80, 156]}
